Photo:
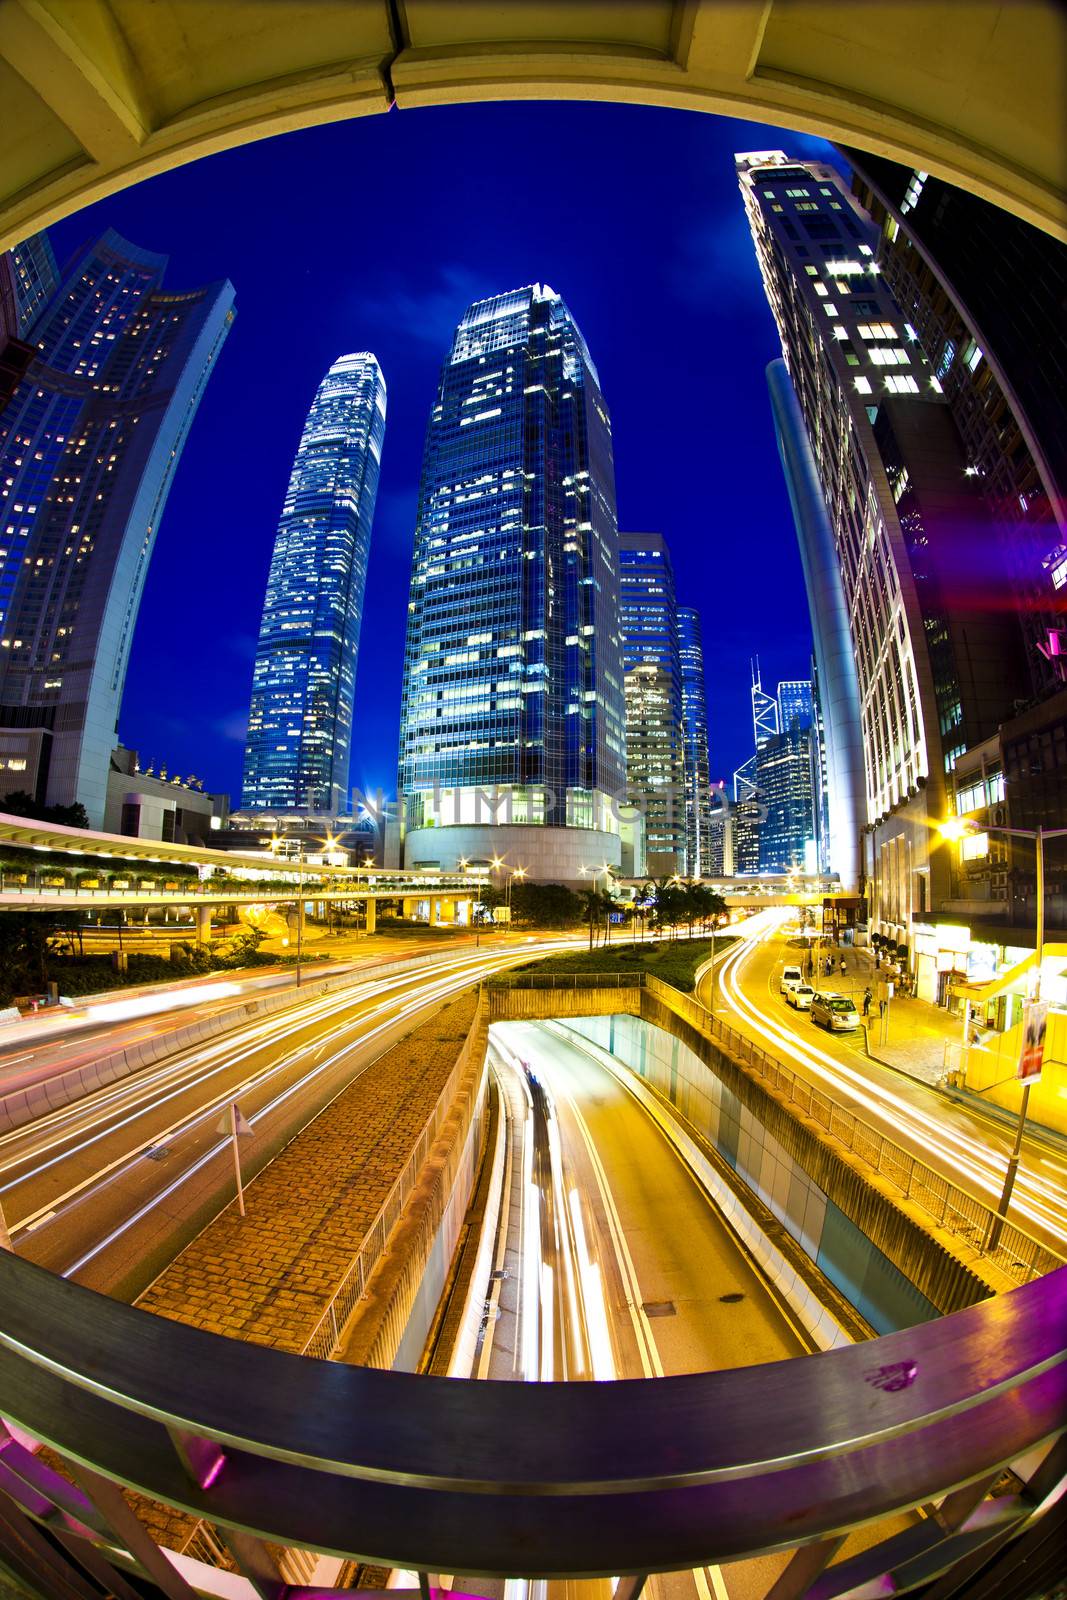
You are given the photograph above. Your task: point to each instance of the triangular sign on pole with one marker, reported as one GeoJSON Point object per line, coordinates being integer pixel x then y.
{"type": "Point", "coordinates": [234, 1121]}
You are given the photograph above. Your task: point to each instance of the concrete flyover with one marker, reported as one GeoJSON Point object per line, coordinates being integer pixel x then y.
{"type": "Point", "coordinates": [98, 94]}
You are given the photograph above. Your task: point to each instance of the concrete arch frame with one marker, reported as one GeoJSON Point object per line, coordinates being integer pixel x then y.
{"type": "Point", "coordinates": [98, 94]}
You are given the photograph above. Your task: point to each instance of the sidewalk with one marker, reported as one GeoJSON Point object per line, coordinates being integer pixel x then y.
{"type": "Point", "coordinates": [918, 1031]}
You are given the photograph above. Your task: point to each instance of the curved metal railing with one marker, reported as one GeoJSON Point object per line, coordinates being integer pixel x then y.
{"type": "Point", "coordinates": [539, 1479]}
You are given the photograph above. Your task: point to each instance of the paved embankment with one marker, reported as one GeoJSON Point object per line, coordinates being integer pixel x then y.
{"type": "Point", "coordinates": [268, 1276]}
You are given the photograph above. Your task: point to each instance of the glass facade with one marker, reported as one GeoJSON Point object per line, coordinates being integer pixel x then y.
{"type": "Point", "coordinates": [795, 707]}
{"type": "Point", "coordinates": [28, 279]}
{"type": "Point", "coordinates": [300, 720]}
{"type": "Point", "coordinates": [513, 708]}
{"type": "Point", "coordinates": [785, 781]}
{"type": "Point", "coordinates": [88, 448]}
{"type": "Point", "coordinates": [655, 719]}
{"type": "Point", "coordinates": [703, 823]}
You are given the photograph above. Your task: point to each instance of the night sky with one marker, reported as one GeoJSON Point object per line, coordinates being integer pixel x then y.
{"type": "Point", "coordinates": [376, 234]}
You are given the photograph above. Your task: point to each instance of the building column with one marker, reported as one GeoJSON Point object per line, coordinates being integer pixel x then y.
{"type": "Point", "coordinates": [371, 907]}
{"type": "Point", "coordinates": [435, 913]}
{"type": "Point", "coordinates": [203, 924]}
{"type": "Point", "coordinates": [408, 907]}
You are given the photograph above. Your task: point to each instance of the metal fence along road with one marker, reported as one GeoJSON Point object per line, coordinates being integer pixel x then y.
{"type": "Point", "coordinates": [947, 1205]}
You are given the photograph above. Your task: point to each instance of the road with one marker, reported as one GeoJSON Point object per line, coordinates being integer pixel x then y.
{"type": "Point", "coordinates": [106, 1190]}
{"type": "Point", "coordinates": [614, 1263]}
{"type": "Point", "coordinates": [968, 1146]}
{"type": "Point", "coordinates": [61, 1038]}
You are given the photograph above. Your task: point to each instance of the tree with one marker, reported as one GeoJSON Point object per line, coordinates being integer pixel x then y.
{"type": "Point", "coordinates": [21, 804]}
{"type": "Point", "coordinates": [545, 905]}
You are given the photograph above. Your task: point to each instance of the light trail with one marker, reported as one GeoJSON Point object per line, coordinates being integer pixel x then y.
{"type": "Point", "coordinates": [934, 1135]}
{"type": "Point", "coordinates": [70, 1133]}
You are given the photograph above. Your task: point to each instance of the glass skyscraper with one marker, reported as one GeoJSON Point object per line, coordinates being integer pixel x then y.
{"type": "Point", "coordinates": [655, 732]}
{"type": "Point", "coordinates": [300, 721]}
{"type": "Point", "coordinates": [795, 707]}
{"type": "Point", "coordinates": [703, 829]}
{"type": "Point", "coordinates": [89, 443]}
{"type": "Point", "coordinates": [512, 734]}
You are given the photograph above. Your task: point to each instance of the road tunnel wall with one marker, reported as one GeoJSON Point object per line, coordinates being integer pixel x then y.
{"type": "Point", "coordinates": [878, 1289]}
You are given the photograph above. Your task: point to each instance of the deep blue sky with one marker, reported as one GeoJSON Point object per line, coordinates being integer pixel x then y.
{"type": "Point", "coordinates": [376, 234]}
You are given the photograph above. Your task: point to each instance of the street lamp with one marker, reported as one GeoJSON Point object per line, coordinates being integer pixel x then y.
{"type": "Point", "coordinates": [954, 830]}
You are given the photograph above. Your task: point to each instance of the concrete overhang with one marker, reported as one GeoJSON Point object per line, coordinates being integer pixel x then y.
{"type": "Point", "coordinates": [99, 94]}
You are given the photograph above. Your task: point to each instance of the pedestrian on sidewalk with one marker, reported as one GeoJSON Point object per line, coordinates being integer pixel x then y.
{"type": "Point", "coordinates": [867, 998]}
{"type": "Point", "coordinates": [842, 966]}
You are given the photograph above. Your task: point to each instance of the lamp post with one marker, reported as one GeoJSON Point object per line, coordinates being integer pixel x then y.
{"type": "Point", "coordinates": [955, 829]}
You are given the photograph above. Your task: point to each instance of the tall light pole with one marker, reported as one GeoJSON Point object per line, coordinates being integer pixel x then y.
{"type": "Point", "coordinates": [954, 830]}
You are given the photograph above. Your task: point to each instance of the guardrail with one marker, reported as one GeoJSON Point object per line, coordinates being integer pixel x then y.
{"type": "Point", "coordinates": [1017, 1253]}
{"type": "Point", "coordinates": [569, 980]}
{"type": "Point", "coordinates": [326, 1334]}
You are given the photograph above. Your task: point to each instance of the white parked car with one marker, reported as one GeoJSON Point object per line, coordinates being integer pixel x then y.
{"type": "Point", "coordinates": [800, 997]}
{"type": "Point", "coordinates": [791, 976]}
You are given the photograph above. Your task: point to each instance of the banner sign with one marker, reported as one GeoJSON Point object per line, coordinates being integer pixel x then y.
{"type": "Point", "coordinates": [1035, 1022]}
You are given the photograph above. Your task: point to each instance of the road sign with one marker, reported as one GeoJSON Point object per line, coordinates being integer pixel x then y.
{"type": "Point", "coordinates": [234, 1122]}
{"type": "Point", "coordinates": [1035, 1022]}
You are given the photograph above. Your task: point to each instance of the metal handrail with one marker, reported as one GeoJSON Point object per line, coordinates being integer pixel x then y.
{"type": "Point", "coordinates": [579, 1479]}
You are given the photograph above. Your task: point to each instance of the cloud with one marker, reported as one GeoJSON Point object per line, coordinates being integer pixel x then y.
{"type": "Point", "coordinates": [428, 314]}
{"type": "Point", "coordinates": [234, 726]}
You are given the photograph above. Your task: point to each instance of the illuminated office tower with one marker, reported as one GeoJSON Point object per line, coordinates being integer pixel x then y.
{"type": "Point", "coordinates": [300, 720]}
{"type": "Point", "coordinates": [89, 443]}
{"type": "Point", "coordinates": [655, 714]}
{"type": "Point", "coordinates": [703, 810]}
{"type": "Point", "coordinates": [28, 280]}
{"type": "Point", "coordinates": [934, 659]}
{"type": "Point", "coordinates": [795, 708]}
{"type": "Point", "coordinates": [512, 741]}
{"type": "Point", "coordinates": [986, 293]}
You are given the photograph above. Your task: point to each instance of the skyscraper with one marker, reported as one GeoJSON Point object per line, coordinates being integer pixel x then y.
{"type": "Point", "coordinates": [89, 443]}
{"type": "Point", "coordinates": [795, 708]}
{"type": "Point", "coordinates": [703, 830]}
{"type": "Point", "coordinates": [655, 730]}
{"type": "Point", "coordinates": [985, 292]}
{"type": "Point", "coordinates": [935, 659]}
{"type": "Point", "coordinates": [512, 739]}
{"type": "Point", "coordinates": [300, 720]}
{"type": "Point", "coordinates": [785, 785]}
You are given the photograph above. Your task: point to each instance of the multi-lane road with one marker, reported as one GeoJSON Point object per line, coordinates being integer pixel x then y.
{"type": "Point", "coordinates": [964, 1144]}
{"type": "Point", "coordinates": [105, 1190]}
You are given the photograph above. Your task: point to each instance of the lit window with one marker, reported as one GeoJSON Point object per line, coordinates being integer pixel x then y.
{"type": "Point", "coordinates": [863, 385]}
{"type": "Point", "coordinates": [905, 385]}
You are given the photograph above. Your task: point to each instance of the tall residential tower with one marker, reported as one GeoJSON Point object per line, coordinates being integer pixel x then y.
{"type": "Point", "coordinates": [89, 443]}
{"type": "Point", "coordinates": [300, 721]}
{"type": "Point", "coordinates": [512, 740]}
